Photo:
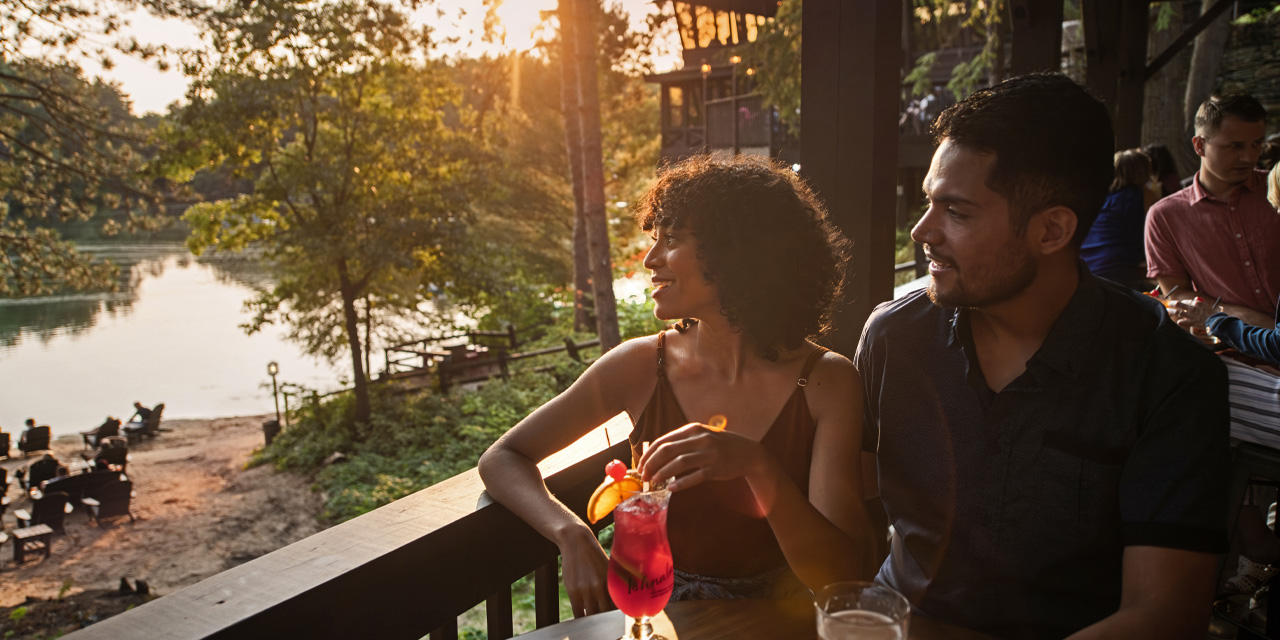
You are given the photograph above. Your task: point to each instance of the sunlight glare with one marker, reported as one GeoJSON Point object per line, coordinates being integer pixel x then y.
{"type": "Point", "coordinates": [522, 22]}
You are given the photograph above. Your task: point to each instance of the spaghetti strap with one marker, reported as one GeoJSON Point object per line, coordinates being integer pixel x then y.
{"type": "Point", "coordinates": [804, 372]}
{"type": "Point", "coordinates": [662, 370]}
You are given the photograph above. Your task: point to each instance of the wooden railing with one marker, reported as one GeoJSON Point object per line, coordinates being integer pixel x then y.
{"type": "Point", "coordinates": [404, 571]}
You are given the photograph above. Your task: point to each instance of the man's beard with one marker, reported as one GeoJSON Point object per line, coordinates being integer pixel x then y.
{"type": "Point", "coordinates": [987, 286]}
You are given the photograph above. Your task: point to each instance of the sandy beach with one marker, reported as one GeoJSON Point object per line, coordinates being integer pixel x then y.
{"type": "Point", "coordinates": [198, 512]}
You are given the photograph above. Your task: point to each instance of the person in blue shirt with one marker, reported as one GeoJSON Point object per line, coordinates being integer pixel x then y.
{"type": "Point", "coordinates": [1259, 342]}
{"type": "Point", "coordinates": [1113, 249]}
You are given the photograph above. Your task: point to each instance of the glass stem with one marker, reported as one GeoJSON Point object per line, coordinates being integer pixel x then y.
{"type": "Point", "coordinates": [641, 629]}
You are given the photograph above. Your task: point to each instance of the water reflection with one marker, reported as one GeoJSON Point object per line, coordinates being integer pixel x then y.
{"type": "Point", "coordinates": [170, 334]}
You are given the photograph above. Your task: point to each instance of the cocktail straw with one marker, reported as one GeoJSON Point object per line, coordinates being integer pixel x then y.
{"type": "Point", "coordinates": [1175, 288]}
{"type": "Point", "coordinates": [644, 448]}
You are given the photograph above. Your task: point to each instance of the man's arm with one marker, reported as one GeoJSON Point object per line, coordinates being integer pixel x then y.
{"type": "Point", "coordinates": [1165, 594]}
{"type": "Point", "coordinates": [1175, 287]}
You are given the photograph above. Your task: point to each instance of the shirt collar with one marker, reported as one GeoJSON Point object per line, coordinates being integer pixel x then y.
{"type": "Point", "coordinates": [1198, 192]}
{"type": "Point", "coordinates": [1066, 348]}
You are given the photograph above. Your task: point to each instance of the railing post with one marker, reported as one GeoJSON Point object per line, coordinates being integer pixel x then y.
{"type": "Point", "coordinates": [546, 594]}
{"type": "Point", "coordinates": [503, 366]}
{"type": "Point", "coordinates": [511, 334]}
{"type": "Point", "coordinates": [447, 631]}
{"type": "Point", "coordinates": [498, 614]}
{"type": "Point", "coordinates": [572, 350]}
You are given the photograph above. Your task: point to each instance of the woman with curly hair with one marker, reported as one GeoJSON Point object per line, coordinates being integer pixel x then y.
{"type": "Point", "coordinates": [747, 263]}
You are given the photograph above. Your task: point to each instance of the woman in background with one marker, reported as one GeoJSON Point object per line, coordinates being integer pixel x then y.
{"type": "Point", "coordinates": [1114, 247]}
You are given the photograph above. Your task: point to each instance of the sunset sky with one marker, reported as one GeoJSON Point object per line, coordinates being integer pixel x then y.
{"type": "Point", "coordinates": [153, 90]}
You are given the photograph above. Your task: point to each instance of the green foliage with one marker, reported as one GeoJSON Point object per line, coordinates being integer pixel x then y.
{"type": "Point", "coordinates": [417, 439]}
{"type": "Point", "coordinates": [68, 148]}
{"type": "Point", "coordinates": [18, 614]}
{"type": "Point", "coordinates": [939, 24]}
{"type": "Point", "coordinates": [414, 440]}
{"type": "Point", "coordinates": [1257, 15]}
{"type": "Point", "coordinates": [776, 53]}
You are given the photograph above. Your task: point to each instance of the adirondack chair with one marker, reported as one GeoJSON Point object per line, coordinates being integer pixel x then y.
{"type": "Point", "coordinates": [83, 485]}
{"type": "Point", "coordinates": [110, 501]}
{"type": "Point", "coordinates": [148, 429]}
{"type": "Point", "coordinates": [4, 444]}
{"type": "Point", "coordinates": [33, 440]}
{"type": "Point", "coordinates": [94, 436]}
{"type": "Point", "coordinates": [43, 469]}
{"type": "Point", "coordinates": [49, 510]}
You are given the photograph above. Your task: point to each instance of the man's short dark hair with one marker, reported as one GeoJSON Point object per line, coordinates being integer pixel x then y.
{"type": "Point", "coordinates": [1211, 113]}
{"type": "Point", "coordinates": [1052, 140]}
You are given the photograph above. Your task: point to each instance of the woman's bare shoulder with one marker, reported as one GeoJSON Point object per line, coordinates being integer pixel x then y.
{"type": "Point", "coordinates": [628, 358]}
{"type": "Point", "coordinates": [834, 378]}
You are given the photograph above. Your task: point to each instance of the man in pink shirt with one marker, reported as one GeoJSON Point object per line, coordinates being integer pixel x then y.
{"type": "Point", "coordinates": [1220, 236]}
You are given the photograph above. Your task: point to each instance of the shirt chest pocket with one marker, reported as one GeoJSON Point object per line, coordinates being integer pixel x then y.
{"type": "Point", "coordinates": [1084, 476]}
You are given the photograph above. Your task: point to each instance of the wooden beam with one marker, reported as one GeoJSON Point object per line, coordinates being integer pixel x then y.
{"type": "Point", "coordinates": [1101, 22]}
{"type": "Point", "coordinates": [850, 59]}
{"type": "Point", "coordinates": [1037, 36]}
{"type": "Point", "coordinates": [1187, 36]}
{"type": "Point", "coordinates": [1131, 77]}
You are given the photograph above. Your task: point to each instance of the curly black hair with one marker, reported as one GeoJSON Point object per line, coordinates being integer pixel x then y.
{"type": "Point", "coordinates": [764, 240]}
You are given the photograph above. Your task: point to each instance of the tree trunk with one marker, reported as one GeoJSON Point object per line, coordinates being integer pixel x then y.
{"type": "Point", "coordinates": [1162, 121]}
{"type": "Point", "coordinates": [368, 333]}
{"type": "Point", "coordinates": [593, 176]}
{"type": "Point", "coordinates": [573, 145]}
{"type": "Point", "coordinates": [1206, 60]}
{"type": "Point", "coordinates": [349, 295]}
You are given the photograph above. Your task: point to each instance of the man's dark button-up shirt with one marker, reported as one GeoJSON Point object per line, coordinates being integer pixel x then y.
{"type": "Point", "coordinates": [1011, 510]}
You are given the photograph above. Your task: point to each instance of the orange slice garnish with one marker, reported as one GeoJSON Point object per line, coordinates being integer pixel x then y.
{"type": "Point", "coordinates": [717, 423]}
{"type": "Point", "coordinates": [609, 495]}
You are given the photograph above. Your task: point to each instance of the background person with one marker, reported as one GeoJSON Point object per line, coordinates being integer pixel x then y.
{"type": "Point", "coordinates": [141, 413]}
{"type": "Point", "coordinates": [1113, 249]}
{"type": "Point", "coordinates": [1164, 171]}
{"type": "Point", "coordinates": [744, 254]}
{"type": "Point", "coordinates": [1220, 237]}
{"type": "Point", "coordinates": [1052, 450]}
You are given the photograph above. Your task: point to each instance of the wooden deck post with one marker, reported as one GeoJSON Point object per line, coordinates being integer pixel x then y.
{"type": "Point", "coordinates": [851, 59]}
{"type": "Point", "coordinates": [1037, 36]}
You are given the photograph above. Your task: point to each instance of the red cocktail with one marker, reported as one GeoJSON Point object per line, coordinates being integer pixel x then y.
{"type": "Point", "coordinates": [640, 570]}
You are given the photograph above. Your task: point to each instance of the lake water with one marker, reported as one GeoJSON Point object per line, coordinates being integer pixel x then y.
{"type": "Point", "coordinates": [170, 335]}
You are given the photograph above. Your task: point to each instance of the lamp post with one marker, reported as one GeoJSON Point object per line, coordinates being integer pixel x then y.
{"type": "Point", "coordinates": [272, 370]}
{"type": "Point", "coordinates": [706, 117]}
{"type": "Point", "coordinates": [734, 91]}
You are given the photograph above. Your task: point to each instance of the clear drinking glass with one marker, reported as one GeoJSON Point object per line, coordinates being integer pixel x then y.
{"type": "Point", "coordinates": [861, 611]}
{"type": "Point", "coordinates": [640, 570]}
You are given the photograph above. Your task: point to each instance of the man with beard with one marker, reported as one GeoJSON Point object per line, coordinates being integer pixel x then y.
{"type": "Point", "coordinates": [1052, 448]}
{"type": "Point", "coordinates": [1220, 234]}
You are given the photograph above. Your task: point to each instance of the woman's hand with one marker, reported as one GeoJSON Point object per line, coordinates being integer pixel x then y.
{"type": "Point", "coordinates": [585, 571]}
{"type": "Point", "coordinates": [1191, 313]}
{"type": "Point", "coordinates": [694, 454]}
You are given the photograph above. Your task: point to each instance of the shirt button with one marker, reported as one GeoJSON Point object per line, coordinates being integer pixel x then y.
{"type": "Point", "coordinates": [1239, 235]}
{"type": "Point", "coordinates": [1247, 263]}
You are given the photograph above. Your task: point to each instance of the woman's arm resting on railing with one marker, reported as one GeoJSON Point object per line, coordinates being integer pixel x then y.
{"type": "Point", "coordinates": [825, 538]}
{"type": "Point", "coordinates": [510, 472]}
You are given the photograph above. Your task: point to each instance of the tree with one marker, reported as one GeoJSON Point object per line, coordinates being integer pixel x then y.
{"type": "Point", "coordinates": [361, 184]}
{"type": "Point", "coordinates": [68, 146]}
{"type": "Point", "coordinates": [573, 145]}
{"type": "Point", "coordinates": [1206, 61]}
{"type": "Point", "coordinates": [776, 53]}
{"type": "Point", "coordinates": [583, 15]}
